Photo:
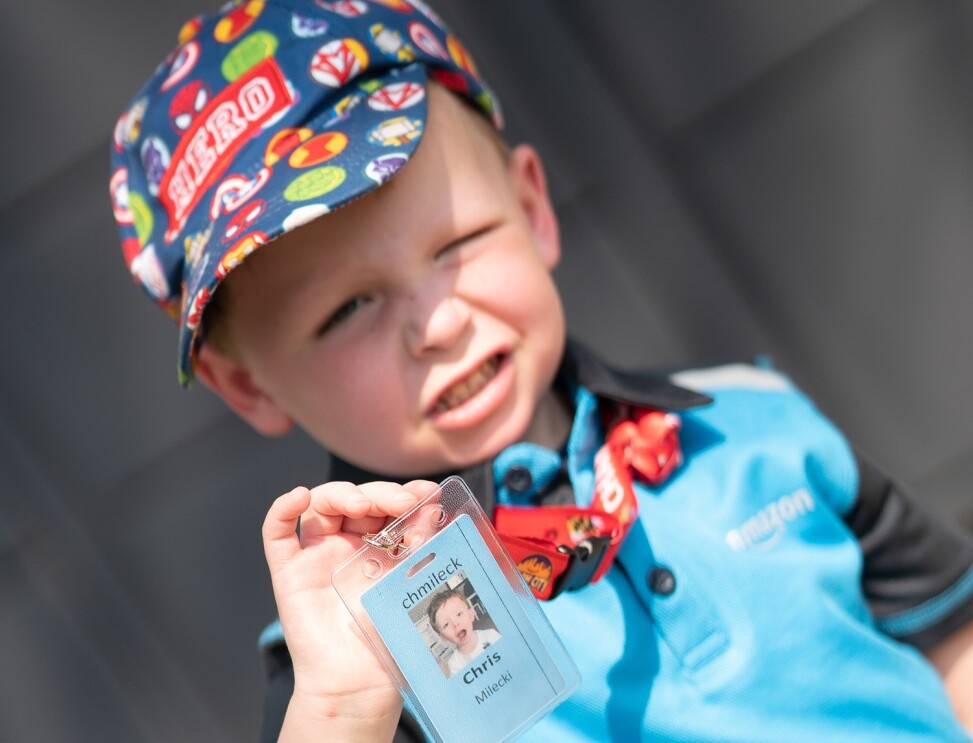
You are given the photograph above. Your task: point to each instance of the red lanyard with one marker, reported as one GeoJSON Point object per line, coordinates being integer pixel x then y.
{"type": "Point", "coordinates": [561, 548]}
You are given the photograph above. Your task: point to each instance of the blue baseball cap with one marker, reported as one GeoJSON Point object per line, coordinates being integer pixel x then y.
{"type": "Point", "coordinates": [268, 114]}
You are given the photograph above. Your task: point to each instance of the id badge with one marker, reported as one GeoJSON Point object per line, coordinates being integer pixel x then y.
{"type": "Point", "coordinates": [446, 611]}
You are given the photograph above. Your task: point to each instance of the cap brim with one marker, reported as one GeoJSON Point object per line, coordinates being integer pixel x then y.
{"type": "Point", "coordinates": [314, 163]}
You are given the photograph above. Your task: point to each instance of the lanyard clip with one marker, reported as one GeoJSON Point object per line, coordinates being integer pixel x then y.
{"type": "Point", "coordinates": [584, 562]}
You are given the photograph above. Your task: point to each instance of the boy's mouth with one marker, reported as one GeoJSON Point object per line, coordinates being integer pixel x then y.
{"type": "Point", "coordinates": [464, 390]}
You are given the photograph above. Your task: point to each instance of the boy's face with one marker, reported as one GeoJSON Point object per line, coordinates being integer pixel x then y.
{"type": "Point", "coordinates": [454, 622]}
{"type": "Point", "coordinates": [415, 330]}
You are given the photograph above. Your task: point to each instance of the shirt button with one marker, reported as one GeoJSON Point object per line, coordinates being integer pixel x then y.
{"type": "Point", "coordinates": [518, 479]}
{"type": "Point", "coordinates": [661, 581]}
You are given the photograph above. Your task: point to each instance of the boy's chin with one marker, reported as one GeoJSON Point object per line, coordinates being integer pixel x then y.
{"type": "Point", "coordinates": [450, 457]}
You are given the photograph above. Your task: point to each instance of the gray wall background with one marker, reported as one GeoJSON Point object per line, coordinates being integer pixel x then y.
{"type": "Point", "coordinates": [734, 177]}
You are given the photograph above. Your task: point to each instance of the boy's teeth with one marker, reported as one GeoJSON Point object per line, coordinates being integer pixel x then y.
{"type": "Point", "coordinates": [463, 391]}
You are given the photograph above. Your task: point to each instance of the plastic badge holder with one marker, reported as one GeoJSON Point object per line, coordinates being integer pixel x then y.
{"type": "Point", "coordinates": [445, 553]}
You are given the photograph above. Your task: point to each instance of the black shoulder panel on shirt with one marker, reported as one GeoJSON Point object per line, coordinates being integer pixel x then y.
{"type": "Point", "coordinates": [910, 555]}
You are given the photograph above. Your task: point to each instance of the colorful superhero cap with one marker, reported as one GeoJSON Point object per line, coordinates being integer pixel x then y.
{"type": "Point", "coordinates": [267, 115]}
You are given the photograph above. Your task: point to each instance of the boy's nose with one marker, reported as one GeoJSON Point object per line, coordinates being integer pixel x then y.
{"type": "Point", "coordinates": [436, 324]}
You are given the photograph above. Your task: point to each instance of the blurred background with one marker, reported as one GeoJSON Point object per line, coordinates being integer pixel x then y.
{"type": "Point", "coordinates": [734, 178]}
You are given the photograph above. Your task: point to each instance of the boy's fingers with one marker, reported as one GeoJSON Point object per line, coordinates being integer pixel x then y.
{"type": "Point", "coordinates": [343, 499]}
{"type": "Point", "coordinates": [417, 490]}
{"type": "Point", "coordinates": [359, 509]}
{"type": "Point", "coordinates": [280, 526]}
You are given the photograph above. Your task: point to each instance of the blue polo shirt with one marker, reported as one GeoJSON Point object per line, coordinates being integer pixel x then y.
{"type": "Point", "coordinates": [734, 610]}
{"type": "Point", "coordinates": [758, 594]}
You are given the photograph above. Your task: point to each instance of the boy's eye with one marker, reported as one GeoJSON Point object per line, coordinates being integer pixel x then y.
{"type": "Point", "coordinates": [343, 313]}
{"type": "Point", "coordinates": [446, 250]}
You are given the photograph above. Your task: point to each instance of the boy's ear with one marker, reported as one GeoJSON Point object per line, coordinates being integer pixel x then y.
{"type": "Point", "coordinates": [233, 384]}
{"type": "Point", "coordinates": [526, 173]}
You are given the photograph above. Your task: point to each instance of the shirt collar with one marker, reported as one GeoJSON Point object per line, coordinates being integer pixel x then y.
{"type": "Point", "coordinates": [634, 388]}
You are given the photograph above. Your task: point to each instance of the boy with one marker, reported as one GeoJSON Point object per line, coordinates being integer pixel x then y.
{"type": "Point", "coordinates": [415, 331]}
{"type": "Point", "coordinates": [451, 615]}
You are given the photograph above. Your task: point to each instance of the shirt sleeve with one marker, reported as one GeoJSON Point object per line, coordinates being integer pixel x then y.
{"type": "Point", "coordinates": [280, 687]}
{"type": "Point", "coordinates": [917, 572]}
{"type": "Point", "coordinates": [278, 691]}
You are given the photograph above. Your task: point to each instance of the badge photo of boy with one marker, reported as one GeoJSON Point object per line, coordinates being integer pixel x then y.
{"type": "Point", "coordinates": [453, 618]}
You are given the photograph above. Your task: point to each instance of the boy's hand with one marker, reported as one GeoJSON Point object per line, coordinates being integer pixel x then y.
{"type": "Point", "coordinates": [953, 658]}
{"type": "Point", "coordinates": [341, 690]}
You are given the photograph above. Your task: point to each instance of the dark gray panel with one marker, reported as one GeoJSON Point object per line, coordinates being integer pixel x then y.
{"type": "Point", "coordinates": [190, 559]}
{"type": "Point", "coordinates": [634, 256]}
{"type": "Point", "coordinates": [840, 189]}
{"type": "Point", "coordinates": [679, 59]}
{"type": "Point", "coordinates": [74, 633]}
{"type": "Point", "coordinates": [54, 686]}
{"type": "Point", "coordinates": [88, 378]}
{"type": "Point", "coordinates": [71, 68]}
{"type": "Point", "coordinates": [948, 486]}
